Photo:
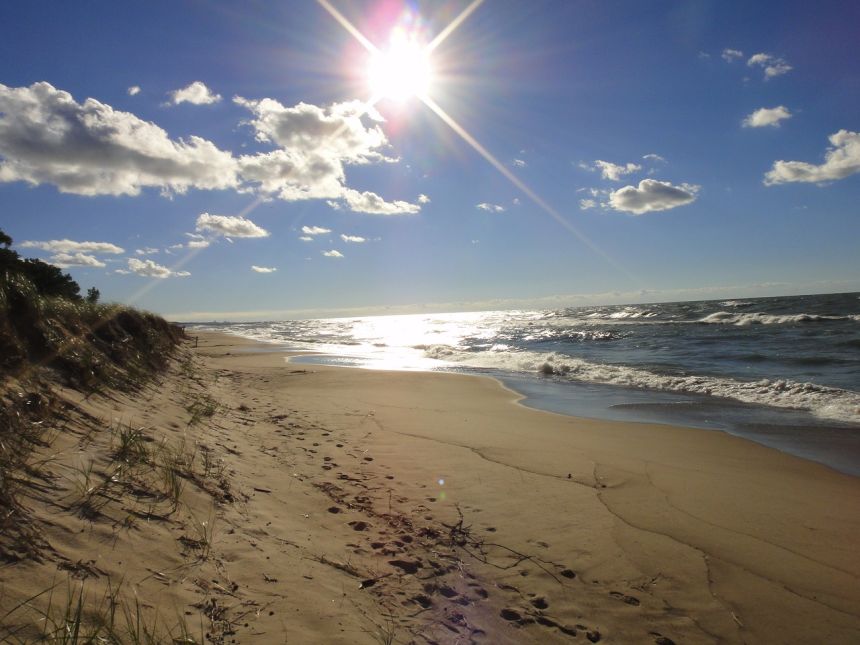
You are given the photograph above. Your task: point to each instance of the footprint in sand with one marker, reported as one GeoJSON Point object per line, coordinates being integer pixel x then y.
{"type": "Point", "coordinates": [659, 639]}
{"type": "Point", "coordinates": [448, 592]}
{"type": "Point", "coordinates": [593, 636]}
{"type": "Point", "coordinates": [334, 509]}
{"type": "Point", "coordinates": [567, 573]}
{"type": "Point", "coordinates": [539, 602]}
{"type": "Point", "coordinates": [630, 600]}
{"type": "Point", "coordinates": [406, 566]}
{"type": "Point", "coordinates": [358, 525]}
{"type": "Point", "coordinates": [513, 616]}
{"type": "Point", "coordinates": [423, 600]}
{"type": "Point", "coordinates": [549, 622]}
{"type": "Point", "coordinates": [479, 590]}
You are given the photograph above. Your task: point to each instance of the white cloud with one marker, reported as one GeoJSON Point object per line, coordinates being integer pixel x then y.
{"type": "Point", "coordinates": [731, 55]}
{"type": "Point", "coordinates": [353, 239]}
{"type": "Point", "coordinates": [654, 158]}
{"type": "Point", "coordinates": [423, 199]}
{"type": "Point", "coordinates": [841, 159]}
{"type": "Point", "coordinates": [586, 204]}
{"type": "Point", "coordinates": [91, 149]}
{"type": "Point", "coordinates": [315, 144]}
{"type": "Point", "coordinates": [66, 260]}
{"type": "Point", "coordinates": [652, 195]}
{"type": "Point", "coordinates": [257, 269]}
{"type": "Point", "coordinates": [149, 269]}
{"type": "Point", "coordinates": [490, 208]}
{"type": "Point", "coordinates": [614, 172]}
{"type": "Point", "coordinates": [69, 246]}
{"type": "Point", "coordinates": [198, 244]}
{"type": "Point", "coordinates": [229, 225]}
{"type": "Point", "coordinates": [134, 90]}
{"type": "Point", "coordinates": [516, 201]}
{"type": "Point", "coordinates": [332, 254]}
{"type": "Point", "coordinates": [306, 238]}
{"type": "Point", "coordinates": [335, 132]}
{"type": "Point", "coordinates": [519, 163]}
{"type": "Point", "coordinates": [147, 250]}
{"type": "Point", "coordinates": [315, 230]}
{"type": "Point", "coordinates": [197, 94]}
{"type": "Point", "coordinates": [368, 202]}
{"type": "Point", "coordinates": [764, 117]}
{"type": "Point", "coordinates": [772, 65]}
{"type": "Point", "coordinates": [293, 175]}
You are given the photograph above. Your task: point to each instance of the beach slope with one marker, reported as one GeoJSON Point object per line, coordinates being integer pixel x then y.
{"type": "Point", "coordinates": [370, 506]}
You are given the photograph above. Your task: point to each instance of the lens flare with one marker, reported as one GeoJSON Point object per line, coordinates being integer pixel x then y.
{"type": "Point", "coordinates": [402, 70]}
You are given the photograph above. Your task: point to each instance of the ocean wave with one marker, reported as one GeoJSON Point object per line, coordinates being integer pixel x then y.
{"type": "Point", "coordinates": [756, 318]}
{"type": "Point", "coordinates": [625, 314]}
{"type": "Point", "coordinates": [825, 402]}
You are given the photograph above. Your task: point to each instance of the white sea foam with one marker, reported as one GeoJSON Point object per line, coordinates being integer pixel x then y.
{"type": "Point", "coordinates": [628, 313]}
{"type": "Point", "coordinates": [755, 318]}
{"type": "Point", "coordinates": [825, 402]}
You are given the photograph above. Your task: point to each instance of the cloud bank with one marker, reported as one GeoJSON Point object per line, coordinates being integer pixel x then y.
{"type": "Point", "coordinates": [89, 148]}
{"type": "Point", "coordinates": [46, 137]}
{"type": "Point", "coordinates": [257, 269]}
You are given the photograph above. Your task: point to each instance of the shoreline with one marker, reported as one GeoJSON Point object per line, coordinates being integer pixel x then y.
{"type": "Point", "coordinates": [736, 536]}
{"type": "Point", "coordinates": [829, 446]}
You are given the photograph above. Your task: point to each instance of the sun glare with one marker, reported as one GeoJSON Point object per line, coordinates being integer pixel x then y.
{"type": "Point", "coordinates": [401, 71]}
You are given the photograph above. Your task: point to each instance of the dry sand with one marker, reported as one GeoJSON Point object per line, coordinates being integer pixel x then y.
{"type": "Point", "coordinates": [355, 506]}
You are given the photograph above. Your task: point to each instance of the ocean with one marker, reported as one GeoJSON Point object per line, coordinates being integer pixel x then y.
{"type": "Point", "coordinates": [781, 371]}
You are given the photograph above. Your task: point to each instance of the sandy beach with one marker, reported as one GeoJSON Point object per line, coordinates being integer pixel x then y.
{"type": "Point", "coordinates": [344, 505]}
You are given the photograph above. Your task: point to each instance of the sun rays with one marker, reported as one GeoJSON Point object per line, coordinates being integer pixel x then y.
{"type": "Point", "coordinates": [405, 70]}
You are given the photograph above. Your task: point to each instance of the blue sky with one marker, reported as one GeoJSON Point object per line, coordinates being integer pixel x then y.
{"type": "Point", "coordinates": [727, 136]}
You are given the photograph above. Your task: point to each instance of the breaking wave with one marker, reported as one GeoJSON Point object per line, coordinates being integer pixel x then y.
{"type": "Point", "coordinates": [755, 318]}
{"type": "Point", "coordinates": [822, 401]}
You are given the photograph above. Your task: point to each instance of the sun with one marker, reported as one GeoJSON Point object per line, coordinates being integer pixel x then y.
{"type": "Point", "coordinates": [402, 70]}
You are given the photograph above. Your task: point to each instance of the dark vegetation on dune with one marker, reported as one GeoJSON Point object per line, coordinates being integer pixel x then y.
{"type": "Point", "coordinates": [51, 337]}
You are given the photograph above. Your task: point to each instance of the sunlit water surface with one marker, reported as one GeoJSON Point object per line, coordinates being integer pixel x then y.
{"type": "Point", "coordinates": [781, 371]}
